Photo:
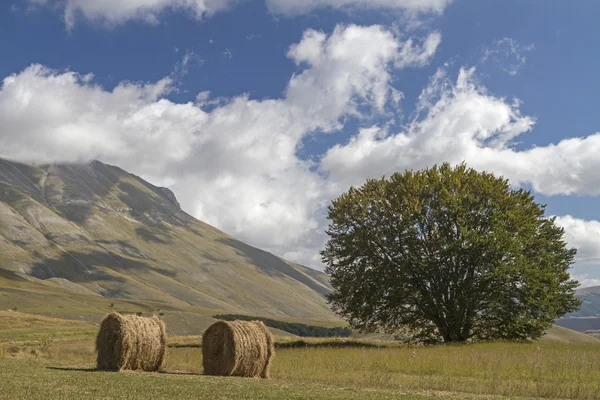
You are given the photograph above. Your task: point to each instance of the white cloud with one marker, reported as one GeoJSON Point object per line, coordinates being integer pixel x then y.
{"type": "Point", "coordinates": [568, 167]}
{"type": "Point", "coordinates": [584, 236]}
{"type": "Point", "coordinates": [364, 54]}
{"type": "Point", "coordinates": [203, 96]}
{"type": "Point", "coordinates": [585, 281]}
{"type": "Point", "coordinates": [65, 117]}
{"type": "Point", "coordinates": [462, 122]}
{"type": "Point", "coordinates": [295, 7]}
{"type": "Point", "coordinates": [234, 166]}
{"type": "Point", "coordinates": [204, 100]}
{"type": "Point", "coordinates": [233, 162]}
{"type": "Point", "coordinates": [409, 57]}
{"type": "Point", "coordinates": [509, 54]}
{"type": "Point", "coordinates": [115, 12]}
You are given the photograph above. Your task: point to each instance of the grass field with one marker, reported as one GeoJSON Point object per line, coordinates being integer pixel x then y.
{"type": "Point", "coordinates": [56, 361]}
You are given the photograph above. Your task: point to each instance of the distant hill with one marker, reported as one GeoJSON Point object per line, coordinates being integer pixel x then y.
{"type": "Point", "coordinates": [559, 334]}
{"type": "Point", "coordinates": [588, 316]}
{"type": "Point", "coordinates": [589, 290]}
{"type": "Point", "coordinates": [77, 235]}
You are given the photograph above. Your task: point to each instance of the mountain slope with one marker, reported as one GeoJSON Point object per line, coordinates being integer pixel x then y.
{"type": "Point", "coordinates": [95, 229]}
{"type": "Point", "coordinates": [587, 318]}
{"type": "Point", "coordinates": [559, 334]}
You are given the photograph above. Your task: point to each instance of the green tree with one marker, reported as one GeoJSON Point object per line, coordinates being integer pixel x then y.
{"type": "Point", "coordinates": [448, 254]}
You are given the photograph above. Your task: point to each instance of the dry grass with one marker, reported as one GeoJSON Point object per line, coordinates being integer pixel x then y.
{"type": "Point", "coordinates": [40, 380]}
{"type": "Point", "coordinates": [521, 370]}
{"type": "Point", "coordinates": [237, 348]}
{"type": "Point", "coordinates": [130, 342]}
{"type": "Point", "coordinates": [14, 321]}
{"type": "Point", "coordinates": [552, 371]}
{"type": "Point", "coordinates": [544, 370]}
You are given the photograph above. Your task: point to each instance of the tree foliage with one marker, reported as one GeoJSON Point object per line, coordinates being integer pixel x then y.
{"type": "Point", "coordinates": [449, 254]}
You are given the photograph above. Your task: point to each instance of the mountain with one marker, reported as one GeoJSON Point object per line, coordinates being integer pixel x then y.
{"type": "Point", "coordinates": [90, 232]}
{"type": "Point", "coordinates": [587, 318]}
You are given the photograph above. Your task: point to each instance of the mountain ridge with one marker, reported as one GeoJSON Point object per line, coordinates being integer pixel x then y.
{"type": "Point", "coordinates": [96, 228]}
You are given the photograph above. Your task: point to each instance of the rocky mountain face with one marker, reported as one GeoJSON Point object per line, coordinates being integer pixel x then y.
{"type": "Point", "coordinates": [97, 230]}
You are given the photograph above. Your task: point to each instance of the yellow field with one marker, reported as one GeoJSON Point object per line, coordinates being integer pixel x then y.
{"type": "Point", "coordinates": [40, 361]}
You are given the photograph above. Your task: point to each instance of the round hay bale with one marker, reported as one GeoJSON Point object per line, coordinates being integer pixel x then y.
{"type": "Point", "coordinates": [130, 342]}
{"type": "Point", "coordinates": [237, 348]}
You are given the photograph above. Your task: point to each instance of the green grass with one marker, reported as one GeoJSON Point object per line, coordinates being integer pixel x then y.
{"type": "Point", "coordinates": [34, 364]}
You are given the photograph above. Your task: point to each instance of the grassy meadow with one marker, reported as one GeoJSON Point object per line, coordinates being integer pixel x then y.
{"type": "Point", "coordinates": [43, 357]}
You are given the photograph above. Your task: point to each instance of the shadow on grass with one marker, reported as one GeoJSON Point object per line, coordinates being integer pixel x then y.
{"type": "Point", "coordinates": [184, 345]}
{"type": "Point", "coordinates": [77, 369]}
{"type": "Point", "coordinates": [162, 372]}
{"type": "Point", "coordinates": [180, 373]}
{"type": "Point", "coordinates": [301, 344]}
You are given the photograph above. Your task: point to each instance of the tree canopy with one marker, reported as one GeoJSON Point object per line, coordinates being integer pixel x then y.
{"type": "Point", "coordinates": [449, 254]}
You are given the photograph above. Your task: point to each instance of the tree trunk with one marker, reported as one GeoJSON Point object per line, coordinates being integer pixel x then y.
{"type": "Point", "coordinates": [453, 336]}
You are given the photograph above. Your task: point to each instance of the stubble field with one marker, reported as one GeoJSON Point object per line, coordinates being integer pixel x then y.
{"type": "Point", "coordinates": [58, 362]}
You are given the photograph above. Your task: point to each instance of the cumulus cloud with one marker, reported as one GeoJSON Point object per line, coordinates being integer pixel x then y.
{"type": "Point", "coordinates": [295, 7]}
{"type": "Point", "coordinates": [115, 12]}
{"type": "Point", "coordinates": [365, 55]}
{"type": "Point", "coordinates": [65, 117]}
{"type": "Point", "coordinates": [459, 121]}
{"type": "Point", "coordinates": [232, 162]}
{"type": "Point", "coordinates": [584, 236]}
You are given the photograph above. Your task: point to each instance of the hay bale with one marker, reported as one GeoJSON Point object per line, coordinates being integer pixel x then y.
{"type": "Point", "coordinates": [130, 342]}
{"type": "Point", "coordinates": [237, 348]}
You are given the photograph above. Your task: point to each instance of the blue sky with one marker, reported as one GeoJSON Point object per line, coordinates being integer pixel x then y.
{"type": "Point", "coordinates": [228, 104]}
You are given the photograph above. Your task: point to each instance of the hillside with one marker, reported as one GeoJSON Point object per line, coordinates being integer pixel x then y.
{"type": "Point", "coordinates": [559, 334]}
{"type": "Point", "coordinates": [588, 316]}
{"type": "Point", "coordinates": [79, 234]}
